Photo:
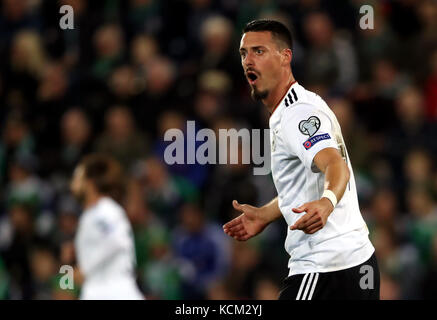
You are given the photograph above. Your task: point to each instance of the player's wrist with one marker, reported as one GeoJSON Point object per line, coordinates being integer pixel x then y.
{"type": "Point", "coordinates": [328, 194]}
{"type": "Point", "coordinates": [266, 214]}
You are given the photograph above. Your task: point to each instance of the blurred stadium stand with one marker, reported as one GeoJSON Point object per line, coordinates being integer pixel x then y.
{"type": "Point", "coordinates": [130, 70]}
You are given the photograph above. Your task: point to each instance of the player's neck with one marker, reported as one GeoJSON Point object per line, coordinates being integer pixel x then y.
{"type": "Point", "coordinates": [91, 199]}
{"type": "Point", "coordinates": [276, 95]}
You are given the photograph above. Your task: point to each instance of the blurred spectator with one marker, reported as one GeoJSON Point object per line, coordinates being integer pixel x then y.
{"type": "Point", "coordinates": [143, 49]}
{"type": "Point", "coordinates": [24, 67]}
{"type": "Point", "coordinates": [252, 9]}
{"type": "Point", "coordinates": [163, 192]}
{"type": "Point", "coordinates": [131, 70]}
{"type": "Point", "coordinates": [377, 43]}
{"type": "Point", "coordinates": [218, 51]}
{"type": "Point", "coordinates": [121, 138]}
{"type": "Point", "coordinates": [53, 92]}
{"type": "Point", "coordinates": [76, 133]}
{"type": "Point", "coordinates": [229, 181]}
{"type": "Point", "coordinates": [425, 42]}
{"type": "Point", "coordinates": [123, 83]}
{"type": "Point", "coordinates": [330, 59]}
{"type": "Point", "coordinates": [145, 15]}
{"type": "Point", "coordinates": [388, 81]}
{"type": "Point", "coordinates": [17, 141]}
{"type": "Point", "coordinates": [159, 272]}
{"type": "Point", "coordinates": [384, 211]}
{"type": "Point", "coordinates": [27, 54]}
{"type": "Point", "coordinates": [43, 267]}
{"type": "Point", "coordinates": [109, 47]}
{"type": "Point", "coordinates": [16, 15]}
{"type": "Point", "coordinates": [160, 81]}
{"type": "Point", "coordinates": [242, 275]}
{"type": "Point", "coordinates": [210, 101]}
{"type": "Point", "coordinates": [24, 186]}
{"type": "Point", "coordinates": [67, 220]}
{"type": "Point", "coordinates": [412, 131]}
{"type": "Point", "coordinates": [205, 246]}
{"type": "Point", "coordinates": [399, 266]}
{"type": "Point", "coordinates": [195, 173]}
{"type": "Point", "coordinates": [353, 133]}
{"type": "Point", "coordinates": [16, 254]}
{"type": "Point", "coordinates": [418, 168]}
{"type": "Point", "coordinates": [424, 225]}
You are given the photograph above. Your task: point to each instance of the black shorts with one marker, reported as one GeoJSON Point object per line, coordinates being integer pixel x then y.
{"type": "Point", "coordinates": [357, 283]}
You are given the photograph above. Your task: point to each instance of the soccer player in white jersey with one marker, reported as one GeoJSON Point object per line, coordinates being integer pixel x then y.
{"type": "Point", "coordinates": [104, 240]}
{"type": "Point", "coordinates": [331, 256]}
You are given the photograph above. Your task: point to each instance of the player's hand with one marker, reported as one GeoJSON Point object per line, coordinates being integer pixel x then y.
{"type": "Point", "coordinates": [317, 213]}
{"type": "Point", "coordinates": [246, 225]}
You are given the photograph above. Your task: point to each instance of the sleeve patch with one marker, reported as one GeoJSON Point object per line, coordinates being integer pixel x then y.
{"type": "Point", "coordinates": [310, 126]}
{"type": "Point", "coordinates": [312, 141]}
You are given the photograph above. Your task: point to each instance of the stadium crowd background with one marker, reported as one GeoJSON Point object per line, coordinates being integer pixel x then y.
{"type": "Point", "coordinates": [130, 70]}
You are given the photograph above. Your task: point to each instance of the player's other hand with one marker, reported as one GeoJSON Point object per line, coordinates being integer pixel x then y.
{"type": "Point", "coordinates": [246, 225]}
{"type": "Point", "coordinates": [317, 213]}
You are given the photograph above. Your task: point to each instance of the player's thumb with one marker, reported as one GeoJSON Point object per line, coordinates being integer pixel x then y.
{"type": "Point", "coordinates": [299, 209]}
{"type": "Point", "coordinates": [237, 206]}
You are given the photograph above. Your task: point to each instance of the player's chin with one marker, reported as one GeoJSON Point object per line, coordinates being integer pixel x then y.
{"type": "Point", "coordinates": [258, 94]}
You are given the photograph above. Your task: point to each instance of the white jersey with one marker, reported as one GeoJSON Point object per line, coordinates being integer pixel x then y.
{"type": "Point", "coordinates": [105, 253]}
{"type": "Point", "coordinates": [301, 126]}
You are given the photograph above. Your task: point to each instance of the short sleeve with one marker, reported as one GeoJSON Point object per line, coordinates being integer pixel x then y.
{"type": "Point", "coordinates": [307, 130]}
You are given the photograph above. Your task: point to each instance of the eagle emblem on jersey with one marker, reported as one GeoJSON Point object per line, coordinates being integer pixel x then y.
{"type": "Point", "coordinates": [310, 126]}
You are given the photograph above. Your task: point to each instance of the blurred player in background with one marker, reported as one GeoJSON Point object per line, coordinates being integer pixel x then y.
{"type": "Point", "coordinates": [327, 238]}
{"type": "Point", "coordinates": [104, 240]}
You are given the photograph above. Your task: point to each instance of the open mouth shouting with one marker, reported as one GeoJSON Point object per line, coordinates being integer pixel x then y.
{"type": "Point", "coordinates": [252, 77]}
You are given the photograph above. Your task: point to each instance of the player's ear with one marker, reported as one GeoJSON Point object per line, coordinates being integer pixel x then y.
{"type": "Point", "coordinates": [287, 55]}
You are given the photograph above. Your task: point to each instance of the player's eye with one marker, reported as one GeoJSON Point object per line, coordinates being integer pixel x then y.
{"type": "Point", "coordinates": [259, 51]}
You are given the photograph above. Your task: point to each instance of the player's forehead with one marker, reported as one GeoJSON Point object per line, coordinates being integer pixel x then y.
{"type": "Point", "coordinates": [256, 39]}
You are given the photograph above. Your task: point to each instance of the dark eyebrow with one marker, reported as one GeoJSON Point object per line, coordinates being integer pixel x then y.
{"type": "Point", "coordinates": [258, 47]}
{"type": "Point", "coordinates": [252, 48]}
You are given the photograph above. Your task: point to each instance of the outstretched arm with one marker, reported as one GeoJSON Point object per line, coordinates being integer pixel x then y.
{"type": "Point", "coordinates": [337, 176]}
{"type": "Point", "coordinates": [252, 221]}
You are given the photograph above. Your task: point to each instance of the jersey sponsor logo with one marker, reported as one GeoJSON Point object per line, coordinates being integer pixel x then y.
{"type": "Point", "coordinates": [312, 141]}
{"type": "Point", "coordinates": [310, 126]}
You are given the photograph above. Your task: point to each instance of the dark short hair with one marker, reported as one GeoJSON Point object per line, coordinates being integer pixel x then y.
{"type": "Point", "coordinates": [106, 174]}
{"type": "Point", "coordinates": [278, 30]}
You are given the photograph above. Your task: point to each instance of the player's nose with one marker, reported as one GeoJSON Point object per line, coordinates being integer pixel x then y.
{"type": "Point", "coordinates": [248, 61]}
